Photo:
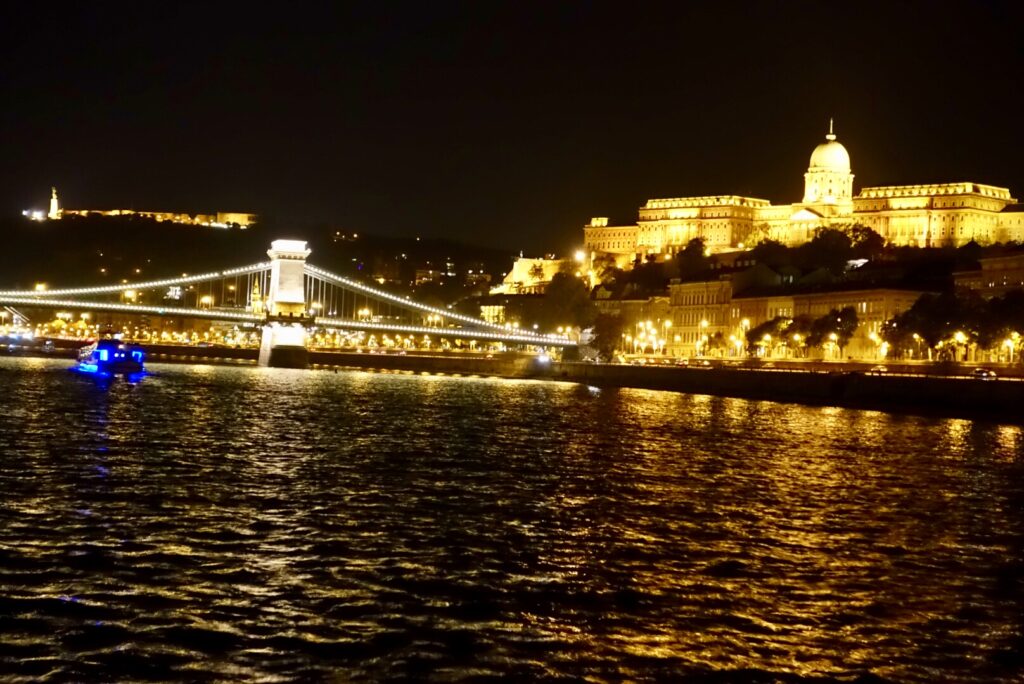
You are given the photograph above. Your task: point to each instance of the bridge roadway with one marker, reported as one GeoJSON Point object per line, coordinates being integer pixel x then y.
{"type": "Point", "coordinates": [238, 316]}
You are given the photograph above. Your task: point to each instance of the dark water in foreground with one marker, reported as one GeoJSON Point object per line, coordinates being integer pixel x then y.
{"type": "Point", "coordinates": [242, 524]}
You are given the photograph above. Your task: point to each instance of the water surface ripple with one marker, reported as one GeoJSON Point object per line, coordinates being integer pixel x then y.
{"type": "Point", "coordinates": [224, 523]}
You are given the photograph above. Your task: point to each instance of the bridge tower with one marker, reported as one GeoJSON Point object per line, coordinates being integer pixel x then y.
{"type": "Point", "coordinates": [283, 343]}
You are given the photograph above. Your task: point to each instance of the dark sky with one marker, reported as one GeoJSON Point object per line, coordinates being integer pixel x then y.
{"type": "Point", "coordinates": [508, 124]}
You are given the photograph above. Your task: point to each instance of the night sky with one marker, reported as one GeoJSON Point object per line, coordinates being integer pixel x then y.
{"type": "Point", "coordinates": [506, 124]}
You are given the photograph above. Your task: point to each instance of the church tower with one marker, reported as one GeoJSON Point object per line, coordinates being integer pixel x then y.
{"type": "Point", "coordinates": [828, 183]}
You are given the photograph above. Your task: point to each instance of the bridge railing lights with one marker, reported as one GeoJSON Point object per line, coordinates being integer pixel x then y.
{"type": "Point", "coordinates": [144, 285]}
{"type": "Point", "coordinates": [404, 301]}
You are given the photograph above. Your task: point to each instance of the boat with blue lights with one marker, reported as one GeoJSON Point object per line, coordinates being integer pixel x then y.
{"type": "Point", "coordinates": [111, 357]}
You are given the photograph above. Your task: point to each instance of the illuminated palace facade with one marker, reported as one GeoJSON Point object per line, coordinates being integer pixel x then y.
{"type": "Point", "coordinates": [914, 215]}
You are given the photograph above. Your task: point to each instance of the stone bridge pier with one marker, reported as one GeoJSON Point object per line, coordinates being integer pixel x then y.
{"type": "Point", "coordinates": [283, 342]}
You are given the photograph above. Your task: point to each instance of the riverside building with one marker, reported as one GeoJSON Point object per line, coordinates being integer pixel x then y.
{"type": "Point", "coordinates": [712, 318]}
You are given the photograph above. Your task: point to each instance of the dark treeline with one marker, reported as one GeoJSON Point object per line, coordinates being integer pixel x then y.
{"type": "Point", "coordinates": [103, 250]}
{"type": "Point", "coordinates": [804, 332]}
{"type": "Point", "coordinates": [106, 250]}
{"type": "Point", "coordinates": [950, 323]}
{"type": "Point", "coordinates": [833, 254]}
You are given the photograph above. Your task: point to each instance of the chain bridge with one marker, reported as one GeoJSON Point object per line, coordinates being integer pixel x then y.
{"type": "Point", "coordinates": [286, 298]}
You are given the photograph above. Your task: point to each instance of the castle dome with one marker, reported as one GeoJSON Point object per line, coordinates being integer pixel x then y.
{"type": "Point", "coordinates": [830, 155]}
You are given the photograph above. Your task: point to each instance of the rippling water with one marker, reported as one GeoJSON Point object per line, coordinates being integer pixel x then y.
{"type": "Point", "coordinates": [238, 524]}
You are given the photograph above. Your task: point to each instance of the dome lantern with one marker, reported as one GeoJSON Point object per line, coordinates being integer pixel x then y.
{"type": "Point", "coordinates": [830, 155]}
{"type": "Point", "coordinates": [828, 179]}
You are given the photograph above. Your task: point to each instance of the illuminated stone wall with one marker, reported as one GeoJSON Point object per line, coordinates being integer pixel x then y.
{"type": "Point", "coordinates": [218, 220]}
{"type": "Point", "coordinates": [531, 276]}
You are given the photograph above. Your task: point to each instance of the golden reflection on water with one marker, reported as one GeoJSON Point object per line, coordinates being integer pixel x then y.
{"type": "Point", "coordinates": [958, 433]}
{"type": "Point", "coordinates": [1009, 439]}
{"type": "Point", "coordinates": [484, 525]}
{"type": "Point", "coordinates": [821, 476]}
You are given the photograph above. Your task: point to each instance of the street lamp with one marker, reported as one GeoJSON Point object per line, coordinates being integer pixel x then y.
{"type": "Point", "coordinates": [1009, 344]}
{"type": "Point", "coordinates": [960, 338]}
{"type": "Point", "coordinates": [797, 339]}
{"type": "Point", "coordinates": [873, 336]}
{"type": "Point", "coordinates": [917, 339]}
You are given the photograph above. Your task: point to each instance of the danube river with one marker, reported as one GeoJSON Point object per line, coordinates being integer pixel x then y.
{"type": "Point", "coordinates": [235, 523]}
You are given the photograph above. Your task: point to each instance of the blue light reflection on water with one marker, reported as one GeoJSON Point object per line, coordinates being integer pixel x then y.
{"type": "Point", "coordinates": [94, 370]}
{"type": "Point", "coordinates": [263, 524]}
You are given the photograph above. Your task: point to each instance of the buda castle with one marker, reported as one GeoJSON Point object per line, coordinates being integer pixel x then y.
{"type": "Point", "coordinates": [915, 215]}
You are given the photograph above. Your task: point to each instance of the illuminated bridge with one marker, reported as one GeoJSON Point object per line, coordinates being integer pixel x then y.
{"type": "Point", "coordinates": [286, 298]}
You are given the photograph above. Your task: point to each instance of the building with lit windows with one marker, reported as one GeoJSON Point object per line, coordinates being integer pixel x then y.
{"type": "Point", "coordinates": [646, 323]}
{"type": "Point", "coordinates": [914, 215]}
{"type": "Point", "coordinates": [705, 315]}
{"type": "Point", "coordinates": [874, 306]}
{"type": "Point", "coordinates": [995, 276]}
{"type": "Point", "coordinates": [711, 319]}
